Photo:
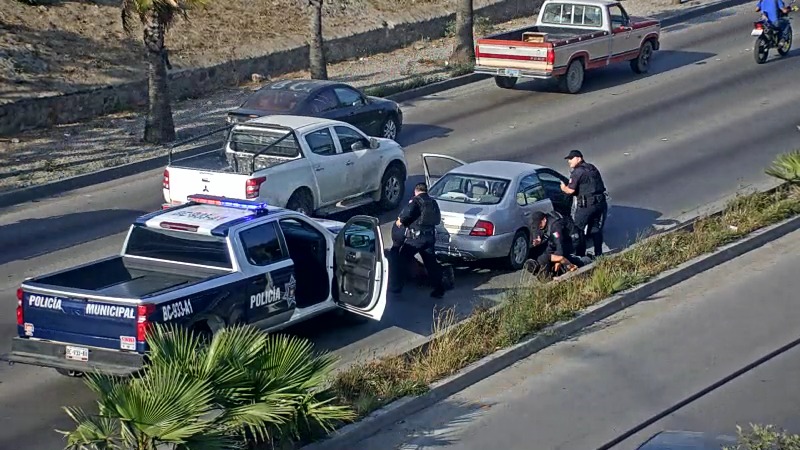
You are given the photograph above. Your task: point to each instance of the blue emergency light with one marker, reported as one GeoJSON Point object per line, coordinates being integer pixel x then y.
{"type": "Point", "coordinates": [228, 202]}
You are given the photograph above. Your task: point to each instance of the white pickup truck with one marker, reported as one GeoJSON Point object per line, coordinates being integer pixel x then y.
{"type": "Point", "coordinates": [312, 165]}
{"type": "Point", "coordinates": [569, 38]}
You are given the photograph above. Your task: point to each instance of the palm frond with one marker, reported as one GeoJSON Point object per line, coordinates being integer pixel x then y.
{"type": "Point", "coordinates": [173, 345]}
{"type": "Point", "coordinates": [91, 431]}
{"type": "Point", "coordinates": [786, 167]}
{"type": "Point", "coordinates": [240, 343]}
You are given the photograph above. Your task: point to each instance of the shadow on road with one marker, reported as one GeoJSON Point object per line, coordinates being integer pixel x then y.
{"type": "Point", "coordinates": [414, 133]}
{"type": "Point", "coordinates": [617, 75]}
{"type": "Point", "coordinates": [30, 238]}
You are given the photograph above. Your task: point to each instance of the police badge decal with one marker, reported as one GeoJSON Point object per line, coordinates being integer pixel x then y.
{"type": "Point", "coordinates": [288, 292]}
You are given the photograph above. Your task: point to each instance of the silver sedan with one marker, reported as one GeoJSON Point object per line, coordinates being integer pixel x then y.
{"type": "Point", "coordinates": [486, 206]}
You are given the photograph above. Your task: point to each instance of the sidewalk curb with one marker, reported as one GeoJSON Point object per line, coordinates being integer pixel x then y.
{"type": "Point", "coordinates": [26, 194]}
{"type": "Point", "coordinates": [349, 436]}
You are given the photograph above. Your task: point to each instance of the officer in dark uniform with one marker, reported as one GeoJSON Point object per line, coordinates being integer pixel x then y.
{"type": "Point", "coordinates": [553, 231]}
{"type": "Point", "coordinates": [586, 184]}
{"type": "Point", "coordinates": [420, 216]}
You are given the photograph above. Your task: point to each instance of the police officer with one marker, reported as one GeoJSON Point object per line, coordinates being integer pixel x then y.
{"type": "Point", "coordinates": [420, 216]}
{"type": "Point", "coordinates": [586, 184]}
{"type": "Point", "coordinates": [552, 231]}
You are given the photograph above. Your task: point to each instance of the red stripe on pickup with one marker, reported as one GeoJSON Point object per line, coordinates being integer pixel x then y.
{"type": "Point", "coordinates": [514, 57]}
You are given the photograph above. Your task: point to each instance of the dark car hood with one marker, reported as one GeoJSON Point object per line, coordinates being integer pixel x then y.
{"type": "Point", "coordinates": [382, 101]}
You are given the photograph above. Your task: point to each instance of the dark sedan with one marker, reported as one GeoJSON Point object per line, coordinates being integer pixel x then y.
{"type": "Point", "coordinates": [328, 99]}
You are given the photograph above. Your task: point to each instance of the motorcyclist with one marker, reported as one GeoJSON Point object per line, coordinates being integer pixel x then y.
{"type": "Point", "coordinates": [774, 11]}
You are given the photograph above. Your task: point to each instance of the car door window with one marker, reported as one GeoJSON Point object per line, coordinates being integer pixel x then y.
{"type": "Point", "coordinates": [348, 136]}
{"type": "Point", "coordinates": [530, 190]}
{"type": "Point", "coordinates": [262, 245]}
{"type": "Point", "coordinates": [321, 142]}
{"type": "Point", "coordinates": [348, 97]}
{"type": "Point", "coordinates": [550, 180]}
{"type": "Point", "coordinates": [618, 16]}
{"type": "Point", "coordinates": [323, 102]}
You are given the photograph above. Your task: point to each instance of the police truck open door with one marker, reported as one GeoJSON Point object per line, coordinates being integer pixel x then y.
{"type": "Point", "coordinates": [361, 268]}
{"type": "Point", "coordinates": [436, 166]}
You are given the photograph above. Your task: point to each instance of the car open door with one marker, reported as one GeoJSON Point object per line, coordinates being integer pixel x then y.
{"type": "Point", "coordinates": [361, 268]}
{"type": "Point", "coordinates": [436, 166]}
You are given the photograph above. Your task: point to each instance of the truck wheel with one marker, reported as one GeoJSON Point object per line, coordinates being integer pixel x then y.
{"type": "Point", "coordinates": [572, 81]}
{"type": "Point", "coordinates": [301, 202]}
{"type": "Point", "coordinates": [69, 373]}
{"type": "Point", "coordinates": [642, 63]}
{"type": "Point", "coordinates": [518, 253]}
{"type": "Point", "coordinates": [505, 82]}
{"type": "Point", "coordinates": [393, 186]}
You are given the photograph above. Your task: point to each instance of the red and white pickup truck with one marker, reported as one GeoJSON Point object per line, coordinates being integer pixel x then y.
{"type": "Point", "coordinates": [569, 37]}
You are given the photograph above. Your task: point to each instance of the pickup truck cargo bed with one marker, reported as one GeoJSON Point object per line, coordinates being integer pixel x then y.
{"type": "Point", "coordinates": [126, 278]}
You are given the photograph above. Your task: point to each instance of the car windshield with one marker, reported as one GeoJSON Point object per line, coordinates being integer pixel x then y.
{"type": "Point", "coordinates": [178, 246]}
{"type": "Point", "coordinates": [473, 189]}
{"type": "Point", "coordinates": [275, 100]}
{"type": "Point", "coordinates": [266, 141]}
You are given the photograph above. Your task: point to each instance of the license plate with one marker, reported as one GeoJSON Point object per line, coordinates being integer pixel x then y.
{"type": "Point", "coordinates": [511, 72]}
{"type": "Point", "coordinates": [757, 32]}
{"type": "Point", "coordinates": [77, 353]}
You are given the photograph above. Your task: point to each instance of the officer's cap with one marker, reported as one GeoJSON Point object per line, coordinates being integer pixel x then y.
{"type": "Point", "coordinates": [574, 154]}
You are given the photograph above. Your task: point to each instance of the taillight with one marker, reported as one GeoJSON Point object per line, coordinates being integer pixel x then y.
{"type": "Point", "coordinates": [482, 228]}
{"type": "Point", "coordinates": [142, 323]}
{"type": "Point", "coordinates": [20, 316]}
{"type": "Point", "coordinates": [551, 56]}
{"type": "Point", "coordinates": [165, 181]}
{"type": "Point", "coordinates": [253, 186]}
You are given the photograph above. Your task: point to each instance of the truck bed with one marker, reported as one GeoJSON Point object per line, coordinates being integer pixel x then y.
{"type": "Point", "coordinates": [556, 35]}
{"type": "Point", "coordinates": [127, 278]}
{"type": "Point", "coordinates": [219, 161]}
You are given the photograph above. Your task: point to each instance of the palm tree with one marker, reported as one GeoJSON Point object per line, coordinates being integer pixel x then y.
{"type": "Point", "coordinates": [464, 50]}
{"type": "Point", "coordinates": [786, 167]}
{"type": "Point", "coordinates": [241, 387]}
{"type": "Point", "coordinates": [156, 17]}
{"type": "Point", "coordinates": [317, 63]}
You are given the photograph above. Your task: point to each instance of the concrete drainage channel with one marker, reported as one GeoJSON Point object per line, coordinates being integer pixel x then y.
{"type": "Point", "coordinates": [348, 436]}
{"type": "Point", "coordinates": [30, 193]}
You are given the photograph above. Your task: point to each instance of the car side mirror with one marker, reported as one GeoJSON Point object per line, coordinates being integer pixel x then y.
{"type": "Point", "coordinates": [374, 143]}
{"type": "Point", "coordinates": [355, 146]}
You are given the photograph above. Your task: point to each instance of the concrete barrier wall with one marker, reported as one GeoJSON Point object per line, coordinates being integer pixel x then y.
{"type": "Point", "coordinates": [82, 105]}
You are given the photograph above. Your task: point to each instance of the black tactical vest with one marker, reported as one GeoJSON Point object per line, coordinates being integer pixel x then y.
{"type": "Point", "coordinates": [429, 217]}
{"type": "Point", "coordinates": [592, 183]}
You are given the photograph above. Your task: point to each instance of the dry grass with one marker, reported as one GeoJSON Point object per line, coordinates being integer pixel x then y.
{"type": "Point", "coordinates": [533, 306]}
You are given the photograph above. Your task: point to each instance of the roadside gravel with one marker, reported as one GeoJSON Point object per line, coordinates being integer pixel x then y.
{"type": "Point", "coordinates": [40, 156]}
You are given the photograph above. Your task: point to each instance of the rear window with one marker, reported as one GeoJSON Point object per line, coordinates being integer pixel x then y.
{"type": "Point", "coordinates": [275, 100]}
{"type": "Point", "coordinates": [571, 14]}
{"type": "Point", "coordinates": [470, 189]}
{"type": "Point", "coordinates": [249, 140]}
{"type": "Point", "coordinates": [177, 246]}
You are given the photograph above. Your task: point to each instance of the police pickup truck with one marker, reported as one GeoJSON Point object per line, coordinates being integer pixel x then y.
{"type": "Point", "coordinates": [205, 264]}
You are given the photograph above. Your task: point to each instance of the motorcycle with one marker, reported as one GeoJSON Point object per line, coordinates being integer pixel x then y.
{"type": "Point", "coordinates": [769, 37]}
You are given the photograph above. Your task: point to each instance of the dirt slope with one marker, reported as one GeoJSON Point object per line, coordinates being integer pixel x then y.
{"type": "Point", "coordinates": [65, 45]}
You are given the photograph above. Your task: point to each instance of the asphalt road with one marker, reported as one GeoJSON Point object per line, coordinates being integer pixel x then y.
{"type": "Point", "coordinates": [584, 392]}
{"type": "Point", "coordinates": [703, 124]}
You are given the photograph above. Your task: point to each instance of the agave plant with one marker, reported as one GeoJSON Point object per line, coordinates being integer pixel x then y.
{"type": "Point", "coordinates": [786, 167]}
{"type": "Point", "coordinates": [242, 387]}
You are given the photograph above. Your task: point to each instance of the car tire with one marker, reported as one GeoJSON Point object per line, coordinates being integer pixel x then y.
{"type": "Point", "coordinates": [69, 373]}
{"type": "Point", "coordinates": [520, 247]}
{"type": "Point", "coordinates": [390, 128]}
{"type": "Point", "coordinates": [505, 82]}
{"type": "Point", "coordinates": [642, 63]}
{"type": "Point", "coordinates": [393, 186]}
{"type": "Point", "coordinates": [302, 202]}
{"type": "Point", "coordinates": [572, 81]}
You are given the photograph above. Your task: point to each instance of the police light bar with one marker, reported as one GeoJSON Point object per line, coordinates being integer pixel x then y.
{"type": "Point", "coordinates": [228, 202]}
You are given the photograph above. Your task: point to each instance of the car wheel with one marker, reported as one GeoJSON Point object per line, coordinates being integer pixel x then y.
{"type": "Point", "coordinates": [518, 253]}
{"type": "Point", "coordinates": [642, 63]}
{"type": "Point", "coordinates": [390, 128]}
{"type": "Point", "coordinates": [69, 373]}
{"type": "Point", "coordinates": [393, 185]}
{"type": "Point", "coordinates": [301, 202]}
{"type": "Point", "coordinates": [572, 81]}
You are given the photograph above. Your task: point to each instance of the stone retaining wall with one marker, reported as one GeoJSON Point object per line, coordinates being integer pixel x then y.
{"type": "Point", "coordinates": [82, 105]}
